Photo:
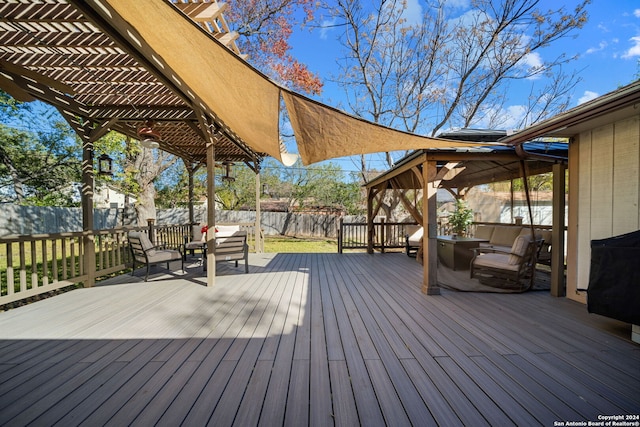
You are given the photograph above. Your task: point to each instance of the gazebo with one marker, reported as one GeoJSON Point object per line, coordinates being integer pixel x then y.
{"type": "Point", "coordinates": [460, 169]}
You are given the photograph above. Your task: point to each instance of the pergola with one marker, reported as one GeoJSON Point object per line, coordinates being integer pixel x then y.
{"type": "Point", "coordinates": [68, 55]}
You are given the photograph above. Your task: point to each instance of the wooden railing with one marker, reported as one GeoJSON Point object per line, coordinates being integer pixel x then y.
{"type": "Point", "coordinates": [31, 265]}
{"type": "Point", "coordinates": [387, 235]}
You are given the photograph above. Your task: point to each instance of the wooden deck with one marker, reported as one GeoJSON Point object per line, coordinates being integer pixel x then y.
{"type": "Point", "coordinates": [311, 339]}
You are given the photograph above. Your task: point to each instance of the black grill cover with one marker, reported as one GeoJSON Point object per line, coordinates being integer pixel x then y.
{"type": "Point", "coordinates": [614, 278]}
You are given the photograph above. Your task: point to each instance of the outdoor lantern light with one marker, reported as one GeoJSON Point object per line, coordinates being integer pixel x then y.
{"type": "Point", "coordinates": [227, 175]}
{"type": "Point", "coordinates": [149, 138]}
{"type": "Point", "coordinates": [105, 164]}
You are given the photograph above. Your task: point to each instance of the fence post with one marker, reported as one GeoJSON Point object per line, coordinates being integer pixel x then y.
{"type": "Point", "coordinates": [340, 236]}
{"type": "Point", "coordinates": [150, 222]}
{"type": "Point", "coordinates": [382, 234]}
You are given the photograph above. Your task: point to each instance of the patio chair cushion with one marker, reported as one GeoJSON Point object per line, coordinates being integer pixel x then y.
{"type": "Point", "coordinates": [495, 260]}
{"type": "Point", "coordinates": [504, 235]}
{"type": "Point", "coordinates": [147, 246]}
{"type": "Point", "coordinates": [519, 249]}
{"type": "Point", "coordinates": [226, 230]}
{"type": "Point", "coordinates": [415, 237]}
{"type": "Point", "coordinates": [163, 255]}
{"type": "Point", "coordinates": [196, 244]}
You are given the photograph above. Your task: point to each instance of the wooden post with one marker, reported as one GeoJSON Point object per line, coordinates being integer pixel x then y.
{"type": "Point", "coordinates": [382, 234]}
{"type": "Point", "coordinates": [152, 234]}
{"type": "Point", "coordinates": [191, 171]}
{"type": "Point", "coordinates": [558, 288]}
{"type": "Point", "coordinates": [258, 234]}
{"type": "Point", "coordinates": [429, 239]}
{"type": "Point", "coordinates": [370, 229]}
{"type": "Point", "coordinates": [340, 229]}
{"type": "Point", "coordinates": [211, 213]}
{"type": "Point", "coordinates": [88, 239]}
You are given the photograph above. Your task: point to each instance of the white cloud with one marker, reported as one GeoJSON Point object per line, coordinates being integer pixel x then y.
{"type": "Point", "coordinates": [532, 60]}
{"type": "Point", "coordinates": [532, 63]}
{"type": "Point", "coordinates": [636, 13]}
{"type": "Point", "coordinates": [633, 50]}
{"type": "Point", "coordinates": [513, 116]}
{"type": "Point", "coordinates": [413, 12]}
{"type": "Point", "coordinates": [325, 27]}
{"type": "Point", "coordinates": [601, 46]}
{"type": "Point", "coordinates": [501, 118]}
{"type": "Point", "coordinates": [587, 96]}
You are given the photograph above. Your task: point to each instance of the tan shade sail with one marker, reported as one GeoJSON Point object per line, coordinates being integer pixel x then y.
{"type": "Point", "coordinates": [245, 100]}
{"type": "Point", "coordinates": [325, 133]}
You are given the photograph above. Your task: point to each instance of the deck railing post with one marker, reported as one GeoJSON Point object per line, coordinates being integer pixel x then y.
{"type": "Point", "coordinates": [340, 231]}
{"type": "Point", "coordinates": [150, 222]}
{"type": "Point", "coordinates": [383, 233]}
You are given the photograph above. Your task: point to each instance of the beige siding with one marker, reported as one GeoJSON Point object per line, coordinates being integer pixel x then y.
{"type": "Point", "coordinates": [601, 175]}
{"type": "Point", "coordinates": [626, 181]}
{"type": "Point", "coordinates": [608, 193]}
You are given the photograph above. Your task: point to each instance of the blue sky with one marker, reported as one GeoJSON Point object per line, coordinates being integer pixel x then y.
{"type": "Point", "coordinates": [608, 49]}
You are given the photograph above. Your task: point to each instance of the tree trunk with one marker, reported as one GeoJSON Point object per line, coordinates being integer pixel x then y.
{"type": "Point", "coordinates": [146, 207]}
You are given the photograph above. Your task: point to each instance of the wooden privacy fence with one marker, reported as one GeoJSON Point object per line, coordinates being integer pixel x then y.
{"type": "Point", "coordinates": [31, 265]}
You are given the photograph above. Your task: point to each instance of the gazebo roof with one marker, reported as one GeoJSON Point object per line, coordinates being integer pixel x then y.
{"type": "Point", "coordinates": [470, 166]}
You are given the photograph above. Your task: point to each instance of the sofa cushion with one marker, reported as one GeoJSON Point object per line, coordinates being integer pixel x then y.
{"type": "Point", "coordinates": [504, 235]}
{"type": "Point", "coordinates": [483, 231]}
{"type": "Point", "coordinates": [545, 235]}
{"type": "Point", "coordinates": [526, 231]}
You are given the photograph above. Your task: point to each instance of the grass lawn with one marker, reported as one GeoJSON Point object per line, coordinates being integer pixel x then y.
{"type": "Point", "coordinates": [286, 244]}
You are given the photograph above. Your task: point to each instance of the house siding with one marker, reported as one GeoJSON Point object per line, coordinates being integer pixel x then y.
{"type": "Point", "coordinates": [606, 183]}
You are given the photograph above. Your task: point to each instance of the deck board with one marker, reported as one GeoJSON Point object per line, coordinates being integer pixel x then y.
{"type": "Point", "coordinates": [323, 339]}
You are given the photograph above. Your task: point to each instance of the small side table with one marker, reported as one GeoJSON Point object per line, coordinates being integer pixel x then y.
{"type": "Point", "coordinates": [456, 252]}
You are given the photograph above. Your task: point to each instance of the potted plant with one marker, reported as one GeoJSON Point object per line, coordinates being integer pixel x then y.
{"type": "Point", "coordinates": [461, 218]}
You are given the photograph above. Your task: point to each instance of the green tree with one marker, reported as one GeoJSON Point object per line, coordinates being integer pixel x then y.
{"type": "Point", "coordinates": [239, 193]}
{"type": "Point", "coordinates": [38, 166]}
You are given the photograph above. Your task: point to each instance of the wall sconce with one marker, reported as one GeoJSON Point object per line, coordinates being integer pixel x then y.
{"type": "Point", "coordinates": [105, 165]}
{"type": "Point", "coordinates": [227, 175]}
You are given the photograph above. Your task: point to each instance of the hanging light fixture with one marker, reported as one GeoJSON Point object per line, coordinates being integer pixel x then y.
{"type": "Point", "coordinates": [105, 165]}
{"type": "Point", "coordinates": [227, 174]}
{"type": "Point", "coordinates": [149, 138]}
